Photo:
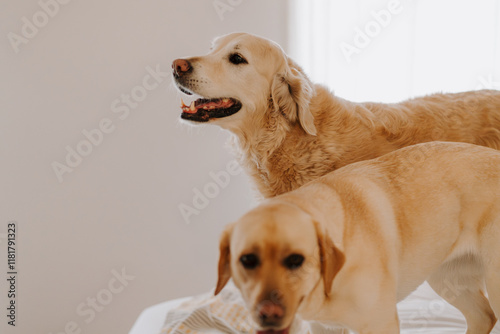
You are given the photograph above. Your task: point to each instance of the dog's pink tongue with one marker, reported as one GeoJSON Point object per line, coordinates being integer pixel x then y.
{"type": "Point", "coordinates": [270, 331]}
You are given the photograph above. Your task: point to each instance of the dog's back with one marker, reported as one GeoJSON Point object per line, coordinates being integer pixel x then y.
{"type": "Point", "coordinates": [469, 117]}
{"type": "Point", "coordinates": [456, 180]}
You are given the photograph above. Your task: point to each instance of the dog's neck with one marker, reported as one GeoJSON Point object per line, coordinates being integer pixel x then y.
{"type": "Point", "coordinates": [265, 151]}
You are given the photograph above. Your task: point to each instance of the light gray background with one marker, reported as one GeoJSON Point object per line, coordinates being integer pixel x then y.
{"type": "Point", "coordinates": [119, 207]}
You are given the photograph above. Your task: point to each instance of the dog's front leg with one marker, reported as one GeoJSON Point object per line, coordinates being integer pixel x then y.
{"type": "Point", "coordinates": [365, 311]}
{"type": "Point", "coordinates": [390, 327]}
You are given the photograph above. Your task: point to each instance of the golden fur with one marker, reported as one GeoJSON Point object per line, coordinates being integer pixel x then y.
{"type": "Point", "coordinates": [291, 131]}
{"type": "Point", "coordinates": [370, 233]}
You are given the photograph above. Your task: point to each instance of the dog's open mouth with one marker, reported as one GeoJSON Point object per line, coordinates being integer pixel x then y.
{"type": "Point", "coordinates": [202, 110]}
{"type": "Point", "coordinates": [271, 331]}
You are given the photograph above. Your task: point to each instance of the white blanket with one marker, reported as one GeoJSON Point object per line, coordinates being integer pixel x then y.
{"type": "Point", "coordinates": [422, 312]}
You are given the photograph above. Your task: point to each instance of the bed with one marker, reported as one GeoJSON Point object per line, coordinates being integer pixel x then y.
{"type": "Point", "coordinates": [422, 312]}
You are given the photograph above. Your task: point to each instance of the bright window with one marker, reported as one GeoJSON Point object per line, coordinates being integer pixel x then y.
{"type": "Point", "coordinates": [389, 50]}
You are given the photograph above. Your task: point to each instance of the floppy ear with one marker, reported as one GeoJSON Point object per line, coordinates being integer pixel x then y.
{"type": "Point", "coordinates": [224, 259]}
{"type": "Point", "coordinates": [291, 92]}
{"type": "Point", "coordinates": [331, 258]}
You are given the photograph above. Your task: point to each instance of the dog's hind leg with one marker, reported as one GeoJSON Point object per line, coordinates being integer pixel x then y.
{"type": "Point", "coordinates": [493, 287]}
{"type": "Point", "coordinates": [461, 283]}
{"type": "Point", "coordinates": [491, 256]}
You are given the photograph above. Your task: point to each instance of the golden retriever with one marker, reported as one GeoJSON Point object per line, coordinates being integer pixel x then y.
{"type": "Point", "coordinates": [347, 247]}
{"type": "Point", "coordinates": [290, 131]}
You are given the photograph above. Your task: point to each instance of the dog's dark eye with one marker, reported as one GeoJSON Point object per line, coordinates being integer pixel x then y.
{"type": "Point", "coordinates": [249, 261]}
{"type": "Point", "coordinates": [237, 59]}
{"type": "Point", "coordinates": [293, 261]}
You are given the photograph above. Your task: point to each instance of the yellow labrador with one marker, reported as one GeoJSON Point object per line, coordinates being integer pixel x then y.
{"type": "Point", "coordinates": [347, 247]}
{"type": "Point", "coordinates": [290, 131]}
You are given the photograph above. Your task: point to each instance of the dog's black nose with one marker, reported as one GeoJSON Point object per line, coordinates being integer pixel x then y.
{"type": "Point", "coordinates": [181, 67]}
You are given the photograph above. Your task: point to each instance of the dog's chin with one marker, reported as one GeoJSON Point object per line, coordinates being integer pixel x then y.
{"type": "Point", "coordinates": [205, 109]}
{"type": "Point", "coordinates": [274, 331]}
{"type": "Point", "coordinates": [284, 328]}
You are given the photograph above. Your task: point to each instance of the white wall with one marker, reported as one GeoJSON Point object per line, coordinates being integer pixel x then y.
{"type": "Point", "coordinates": [119, 207]}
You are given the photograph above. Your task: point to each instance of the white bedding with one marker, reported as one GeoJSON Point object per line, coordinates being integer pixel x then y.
{"type": "Point", "coordinates": [422, 312]}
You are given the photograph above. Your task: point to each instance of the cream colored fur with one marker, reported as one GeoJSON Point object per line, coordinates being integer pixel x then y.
{"type": "Point", "coordinates": [372, 232]}
{"type": "Point", "coordinates": [291, 131]}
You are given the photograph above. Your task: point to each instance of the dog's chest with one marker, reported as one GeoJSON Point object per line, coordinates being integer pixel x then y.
{"type": "Point", "coordinates": [281, 172]}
